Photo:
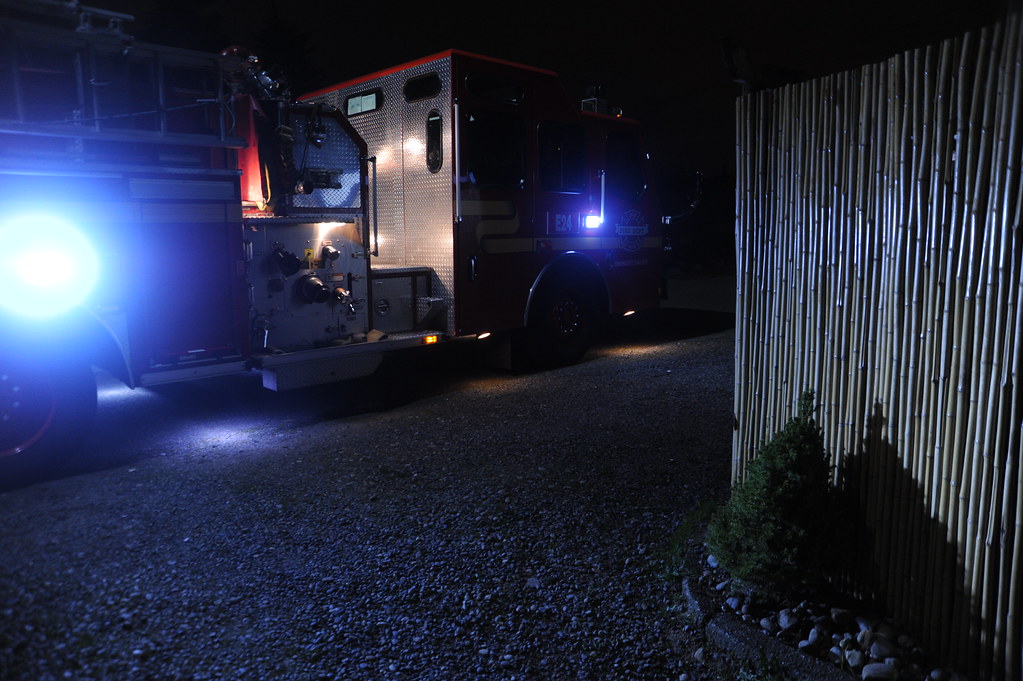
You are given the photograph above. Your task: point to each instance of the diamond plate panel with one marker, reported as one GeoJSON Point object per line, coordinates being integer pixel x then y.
{"type": "Point", "coordinates": [415, 206]}
{"type": "Point", "coordinates": [429, 197]}
{"type": "Point", "coordinates": [337, 158]}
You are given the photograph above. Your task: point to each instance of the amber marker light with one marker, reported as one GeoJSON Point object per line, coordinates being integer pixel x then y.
{"type": "Point", "coordinates": [430, 340]}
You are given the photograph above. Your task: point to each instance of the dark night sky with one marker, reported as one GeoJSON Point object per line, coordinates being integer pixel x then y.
{"type": "Point", "coordinates": [662, 62]}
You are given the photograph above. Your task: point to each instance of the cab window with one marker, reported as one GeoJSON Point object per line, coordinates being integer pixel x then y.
{"type": "Point", "coordinates": [561, 157]}
{"type": "Point", "coordinates": [494, 153]}
{"type": "Point", "coordinates": [494, 88]}
{"type": "Point", "coordinates": [625, 164]}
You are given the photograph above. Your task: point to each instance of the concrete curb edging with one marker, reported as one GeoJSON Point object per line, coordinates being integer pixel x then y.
{"type": "Point", "coordinates": [740, 641]}
{"type": "Point", "coordinates": [743, 643]}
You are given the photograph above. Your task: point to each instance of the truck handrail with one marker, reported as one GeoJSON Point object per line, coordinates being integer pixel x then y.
{"type": "Point", "coordinates": [376, 221]}
{"type": "Point", "coordinates": [456, 151]}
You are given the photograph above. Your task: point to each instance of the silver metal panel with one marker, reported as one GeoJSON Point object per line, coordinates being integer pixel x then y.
{"type": "Point", "coordinates": [393, 306]}
{"type": "Point", "coordinates": [415, 207]}
{"type": "Point", "coordinates": [396, 299]}
{"type": "Point", "coordinates": [283, 315]}
{"type": "Point", "coordinates": [290, 377]}
{"type": "Point", "coordinates": [326, 365]}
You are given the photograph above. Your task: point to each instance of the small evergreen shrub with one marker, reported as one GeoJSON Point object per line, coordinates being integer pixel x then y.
{"type": "Point", "coordinates": [776, 528]}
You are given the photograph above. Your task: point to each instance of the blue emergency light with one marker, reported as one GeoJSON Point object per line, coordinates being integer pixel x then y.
{"type": "Point", "coordinates": [47, 266]}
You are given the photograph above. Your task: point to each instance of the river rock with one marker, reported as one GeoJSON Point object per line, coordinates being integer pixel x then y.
{"type": "Point", "coordinates": [879, 671]}
{"type": "Point", "coordinates": [883, 648]}
{"type": "Point", "coordinates": [818, 635]}
{"type": "Point", "coordinates": [787, 619]}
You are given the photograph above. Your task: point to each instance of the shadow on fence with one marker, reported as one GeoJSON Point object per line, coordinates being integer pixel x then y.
{"type": "Point", "coordinates": [905, 564]}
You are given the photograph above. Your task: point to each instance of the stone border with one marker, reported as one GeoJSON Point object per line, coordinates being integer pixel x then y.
{"type": "Point", "coordinates": [743, 643]}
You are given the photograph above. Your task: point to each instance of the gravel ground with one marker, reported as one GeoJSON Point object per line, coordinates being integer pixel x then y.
{"type": "Point", "coordinates": [515, 527]}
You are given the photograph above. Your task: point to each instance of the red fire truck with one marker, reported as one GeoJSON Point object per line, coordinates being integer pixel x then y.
{"type": "Point", "coordinates": [170, 215]}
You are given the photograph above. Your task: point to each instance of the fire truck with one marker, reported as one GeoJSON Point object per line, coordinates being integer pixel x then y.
{"type": "Point", "coordinates": [170, 215]}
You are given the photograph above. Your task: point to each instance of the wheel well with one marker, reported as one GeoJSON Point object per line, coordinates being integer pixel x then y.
{"type": "Point", "coordinates": [108, 354]}
{"type": "Point", "coordinates": [81, 337]}
{"type": "Point", "coordinates": [576, 268]}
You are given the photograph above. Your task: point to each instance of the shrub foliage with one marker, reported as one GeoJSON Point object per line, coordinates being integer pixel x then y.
{"type": "Point", "coordinates": [776, 528]}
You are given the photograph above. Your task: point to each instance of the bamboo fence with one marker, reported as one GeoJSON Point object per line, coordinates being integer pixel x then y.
{"type": "Point", "coordinates": [880, 264]}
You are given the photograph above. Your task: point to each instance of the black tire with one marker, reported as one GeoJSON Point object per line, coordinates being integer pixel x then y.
{"type": "Point", "coordinates": [46, 411]}
{"type": "Point", "coordinates": [562, 324]}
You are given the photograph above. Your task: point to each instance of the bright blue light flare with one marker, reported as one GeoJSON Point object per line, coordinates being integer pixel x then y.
{"type": "Point", "coordinates": [47, 266]}
{"type": "Point", "coordinates": [593, 221]}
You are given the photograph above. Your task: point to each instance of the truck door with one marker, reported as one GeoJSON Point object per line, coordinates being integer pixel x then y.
{"type": "Point", "coordinates": [631, 227]}
{"type": "Point", "coordinates": [493, 205]}
{"type": "Point", "coordinates": [568, 188]}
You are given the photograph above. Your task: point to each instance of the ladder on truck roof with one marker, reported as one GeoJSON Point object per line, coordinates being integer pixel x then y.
{"type": "Point", "coordinates": [68, 13]}
{"type": "Point", "coordinates": [68, 71]}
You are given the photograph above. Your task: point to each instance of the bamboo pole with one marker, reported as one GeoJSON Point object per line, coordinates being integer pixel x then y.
{"type": "Point", "coordinates": [965, 401]}
{"type": "Point", "coordinates": [747, 193]}
{"type": "Point", "coordinates": [957, 293]}
{"type": "Point", "coordinates": [979, 414]}
{"type": "Point", "coordinates": [918, 459]}
{"type": "Point", "coordinates": [935, 610]}
{"type": "Point", "coordinates": [858, 360]}
{"type": "Point", "coordinates": [952, 313]}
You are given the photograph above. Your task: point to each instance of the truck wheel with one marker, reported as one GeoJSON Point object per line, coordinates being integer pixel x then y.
{"type": "Point", "coordinates": [563, 326]}
{"type": "Point", "coordinates": [44, 411]}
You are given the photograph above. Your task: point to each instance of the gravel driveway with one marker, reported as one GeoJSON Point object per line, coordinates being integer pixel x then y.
{"type": "Point", "coordinates": [504, 526]}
